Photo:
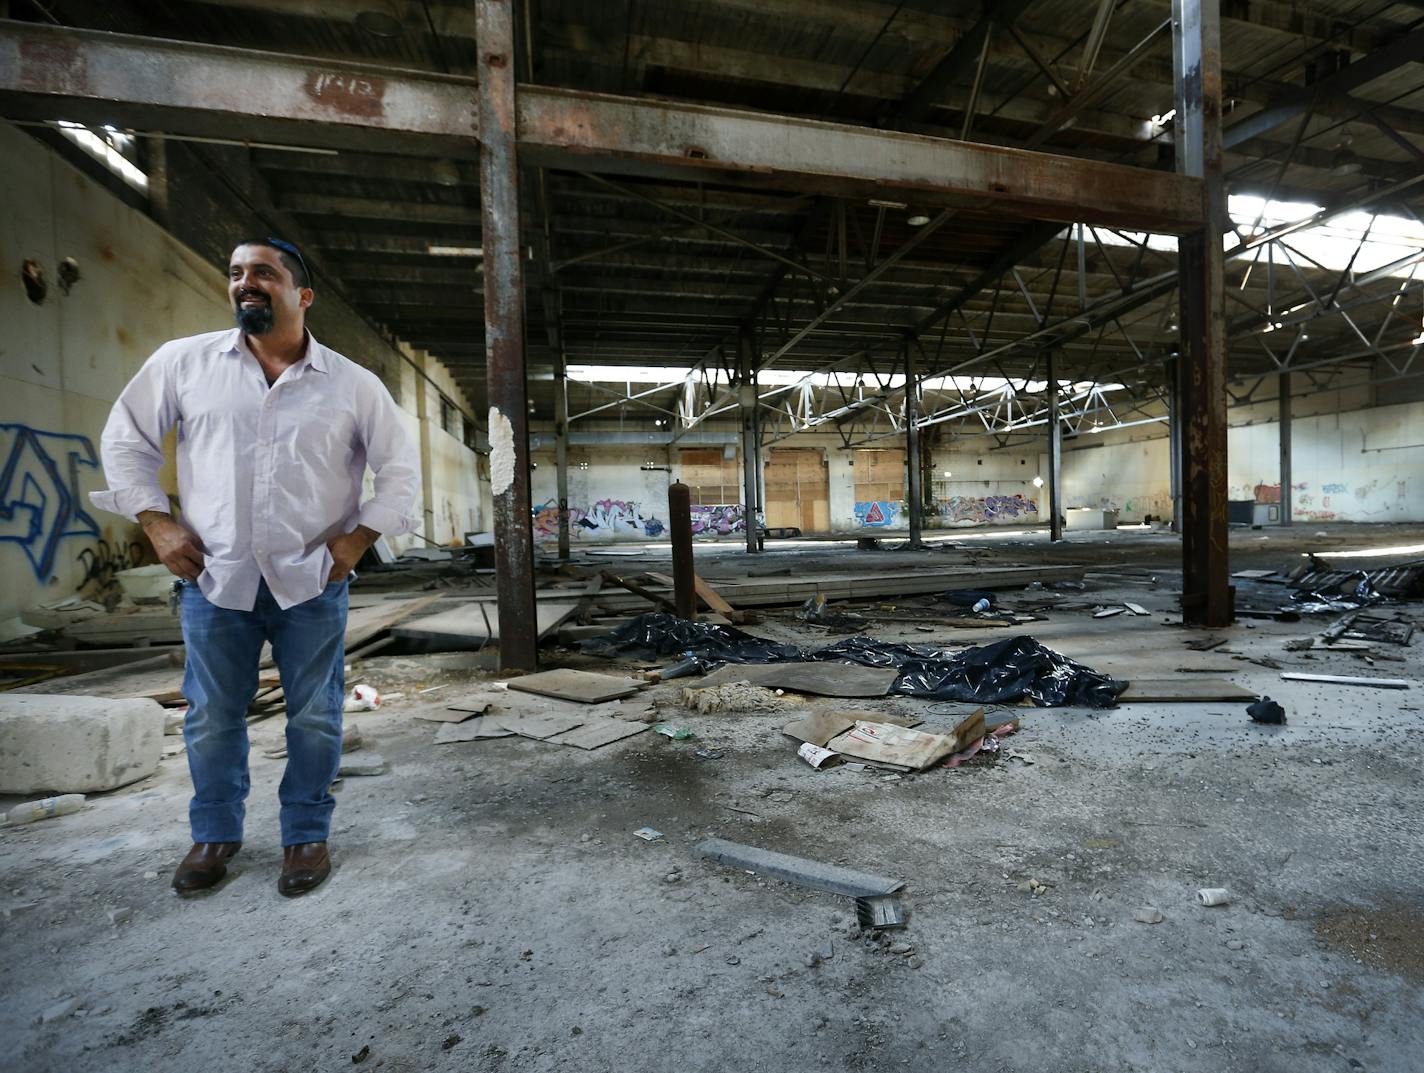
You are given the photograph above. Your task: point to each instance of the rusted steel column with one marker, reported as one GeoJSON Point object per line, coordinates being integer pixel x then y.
{"type": "Point", "coordinates": [1284, 380]}
{"type": "Point", "coordinates": [747, 411]}
{"type": "Point", "coordinates": [504, 338]}
{"type": "Point", "coordinates": [913, 492]}
{"type": "Point", "coordinates": [1206, 593]}
{"type": "Point", "coordinates": [1055, 456]}
{"type": "Point", "coordinates": [561, 449]}
{"type": "Point", "coordinates": [684, 591]}
{"type": "Point", "coordinates": [1174, 441]}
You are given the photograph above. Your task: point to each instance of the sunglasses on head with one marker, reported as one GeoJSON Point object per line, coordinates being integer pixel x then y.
{"type": "Point", "coordinates": [287, 247]}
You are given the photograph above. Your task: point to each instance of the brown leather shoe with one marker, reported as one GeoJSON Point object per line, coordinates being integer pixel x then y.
{"type": "Point", "coordinates": [303, 868]}
{"type": "Point", "coordinates": [204, 866]}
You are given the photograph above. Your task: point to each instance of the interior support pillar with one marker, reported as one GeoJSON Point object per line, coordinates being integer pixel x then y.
{"type": "Point", "coordinates": [914, 493]}
{"type": "Point", "coordinates": [561, 447]}
{"type": "Point", "coordinates": [1284, 380]}
{"type": "Point", "coordinates": [504, 338]}
{"type": "Point", "coordinates": [1206, 592]}
{"type": "Point", "coordinates": [1055, 455]}
{"type": "Point", "coordinates": [751, 457]}
{"type": "Point", "coordinates": [1174, 442]}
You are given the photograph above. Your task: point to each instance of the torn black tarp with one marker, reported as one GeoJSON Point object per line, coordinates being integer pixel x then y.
{"type": "Point", "coordinates": [657, 633]}
{"type": "Point", "coordinates": [1004, 672]}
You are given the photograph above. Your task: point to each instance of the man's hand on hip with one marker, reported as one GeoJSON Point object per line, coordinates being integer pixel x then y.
{"type": "Point", "coordinates": [177, 546]}
{"type": "Point", "coordinates": [347, 549]}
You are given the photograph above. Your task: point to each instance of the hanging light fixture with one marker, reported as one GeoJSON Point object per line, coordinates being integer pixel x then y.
{"type": "Point", "coordinates": [1344, 161]}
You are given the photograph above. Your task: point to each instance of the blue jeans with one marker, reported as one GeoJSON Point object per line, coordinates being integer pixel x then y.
{"type": "Point", "coordinates": [220, 680]}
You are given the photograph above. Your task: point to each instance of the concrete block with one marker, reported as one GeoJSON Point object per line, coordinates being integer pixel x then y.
{"type": "Point", "coordinates": [65, 744]}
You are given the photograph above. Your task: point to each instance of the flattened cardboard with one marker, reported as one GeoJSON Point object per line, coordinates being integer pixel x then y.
{"type": "Point", "coordinates": [902, 747]}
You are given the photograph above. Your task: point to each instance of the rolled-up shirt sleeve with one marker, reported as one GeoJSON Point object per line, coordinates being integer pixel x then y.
{"type": "Point", "coordinates": [132, 443]}
{"type": "Point", "coordinates": [394, 462]}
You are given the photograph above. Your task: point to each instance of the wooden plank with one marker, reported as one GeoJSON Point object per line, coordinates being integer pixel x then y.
{"type": "Point", "coordinates": [711, 597]}
{"type": "Point", "coordinates": [567, 684]}
{"type": "Point", "coordinates": [1346, 680]}
{"type": "Point", "coordinates": [819, 679]}
{"type": "Point", "coordinates": [363, 623]}
{"type": "Point", "coordinates": [1183, 690]}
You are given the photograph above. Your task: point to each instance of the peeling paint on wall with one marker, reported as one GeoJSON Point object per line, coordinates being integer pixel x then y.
{"type": "Point", "coordinates": [501, 438]}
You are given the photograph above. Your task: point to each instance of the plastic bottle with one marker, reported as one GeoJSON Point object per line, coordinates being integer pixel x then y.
{"type": "Point", "coordinates": [43, 809]}
{"type": "Point", "coordinates": [981, 606]}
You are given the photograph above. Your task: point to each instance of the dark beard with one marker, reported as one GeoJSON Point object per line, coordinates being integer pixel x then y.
{"type": "Point", "coordinates": [255, 320]}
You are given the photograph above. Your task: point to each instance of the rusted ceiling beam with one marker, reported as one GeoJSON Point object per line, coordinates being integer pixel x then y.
{"type": "Point", "coordinates": [59, 72]}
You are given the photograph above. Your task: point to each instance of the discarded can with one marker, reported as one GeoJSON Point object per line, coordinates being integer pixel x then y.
{"type": "Point", "coordinates": [1214, 896]}
{"type": "Point", "coordinates": [981, 607]}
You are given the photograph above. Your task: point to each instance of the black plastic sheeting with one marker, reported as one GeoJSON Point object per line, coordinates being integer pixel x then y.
{"type": "Point", "coordinates": [1004, 672]}
{"type": "Point", "coordinates": [657, 633]}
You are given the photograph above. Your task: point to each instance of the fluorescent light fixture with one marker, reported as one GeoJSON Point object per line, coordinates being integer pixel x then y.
{"type": "Point", "coordinates": [1038, 482]}
{"type": "Point", "coordinates": [918, 220]}
{"type": "Point", "coordinates": [455, 251]}
{"type": "Point", "coordinates": [876, 203]}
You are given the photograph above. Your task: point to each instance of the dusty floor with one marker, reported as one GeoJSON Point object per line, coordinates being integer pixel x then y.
{"type": "Point", "coordinates": [492, 910]}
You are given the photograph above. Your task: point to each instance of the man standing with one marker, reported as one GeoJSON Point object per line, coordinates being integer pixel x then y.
{"type": "Point", "coordinates": [275, 433]}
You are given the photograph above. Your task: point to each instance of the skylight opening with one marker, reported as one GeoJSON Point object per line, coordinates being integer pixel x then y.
{"type": "Point", "coordinates": [110, 146]}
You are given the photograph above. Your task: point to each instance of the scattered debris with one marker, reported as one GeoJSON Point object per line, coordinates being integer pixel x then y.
{"type": "Point", "coordinates": [583, 686]}
{"type": "Point", "coordinates": [814, 611]}
{"type": "Point", "coordinates": [473, 729]}
{"type": "Point", "coordinates": [1214, 896]}
{"type": "Point", "coordinates": [806, 873]}
{"type": "Point", "coordinates": [815, 755]}
{"type": "Point", "coordinates": [675, 733]}
{"type": "Point", "coordinates": [1148, 915]}
{"type": "Point", "coordinates": [1266, 711]}
{"type": "Point", "coordinates": [648, 834]}
{"type": "Point", "coordinates": [362, 698]}
{"type": "Point", "coordinates": [819, 678]}
{"type": "Point", "coordinates": [362, 764]}
{"type": "Point", "coordinates": [733, 697]}
{"type": "Point", "coordinates": [1108, 612]}
{"type": "Point", "coordinates": [1206, 644]}
{"type": "Point", "coordinates": [1136, 609]}
{"type": "Point", "coordinates": [43, 809]}
{"type": "Point", "coordinates": [878, 911]}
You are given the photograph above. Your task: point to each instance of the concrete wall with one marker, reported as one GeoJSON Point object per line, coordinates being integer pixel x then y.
{"type": "Point", "coordinates": [63, 362]}
{"type": "Point", "coordinates": [1356, 465]}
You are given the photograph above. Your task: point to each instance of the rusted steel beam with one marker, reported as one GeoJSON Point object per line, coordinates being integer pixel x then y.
{"type": "Point", "coordinates": [594, 132]}
{"type": "Point", "coordinates": [180, 87]}
{"type": "Point", "coordinates": [1055, 453]}
{"type": "Point", "coordinates": [52, 72]}
{"type": "Point", "coordinates": [1201, 384]}
{"type": "Point", "coordinates": [504, 340]}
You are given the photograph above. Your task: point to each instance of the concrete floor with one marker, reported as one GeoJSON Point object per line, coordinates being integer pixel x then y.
{"type": "Point", "coordinates": [492, 910]}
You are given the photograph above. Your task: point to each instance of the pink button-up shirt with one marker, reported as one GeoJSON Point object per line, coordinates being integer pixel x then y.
{"type": "Point", "coordinates": [266, 475]}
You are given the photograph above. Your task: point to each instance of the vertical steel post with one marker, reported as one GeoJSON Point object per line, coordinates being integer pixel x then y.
{"type": "Point", "coordinates": [561, 447]}
{"type": "Point", "coordinates": [747, 410]}
{"type": "Point", "coordinates": [1055, 455]}
{"type": "Point", "coordinates": [1174, 442]}
{"type": "Point", "coordinates": [1284, 380]}
{"type": "Point", "coordinates": [684, 589]}
{"type": "Point", "coordinates": [1196, 53]}
{"type": "Point", "coordinates": [504, 338]}
{"type": "Point", "coordinates": [912, 447]}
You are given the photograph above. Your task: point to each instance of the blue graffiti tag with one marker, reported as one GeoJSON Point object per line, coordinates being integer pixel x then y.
{"type": "Point", "coordinates": [39, 492]}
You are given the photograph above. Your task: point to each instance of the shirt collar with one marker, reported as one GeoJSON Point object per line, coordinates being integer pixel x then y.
{"type": "Point", "coordinates": [230, 342]}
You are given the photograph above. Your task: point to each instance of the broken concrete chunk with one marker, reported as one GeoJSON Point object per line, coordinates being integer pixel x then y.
{"type": "Point", "coordinates": [79, 744]}
{"type": "Point", "coordinates": [363, 764]}
{"type": "Point", "coordinates": [1148, 915]}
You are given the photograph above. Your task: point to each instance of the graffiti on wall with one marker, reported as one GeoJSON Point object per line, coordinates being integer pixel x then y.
{"type": "Point", "coordinates": [611, 519]}
{"type": "Point", "coordinates": [965, 510]}
{"type": "Point", "coordinates": [602, 520]}
{"type": "Point", "coordinates": [40, 499]}
{"type": "Point", "coordinates": [102, 563]}
{"type": "Point", "coordinates": [878, 512]}
{"type": "Point", "coordinates": [718, 519]}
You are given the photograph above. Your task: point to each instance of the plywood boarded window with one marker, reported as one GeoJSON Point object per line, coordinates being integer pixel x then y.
{"type": "Point", "coordinates": [798, 489]}
{"type": "Point", "coordinates": [713, 478]}
{"type": "Point", "coordinates": [879, 475]}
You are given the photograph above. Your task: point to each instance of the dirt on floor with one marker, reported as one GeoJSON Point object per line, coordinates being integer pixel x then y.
{"type": "Point", "coordinates": [491, 908]}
